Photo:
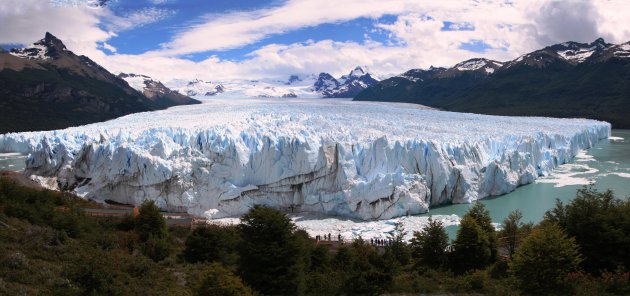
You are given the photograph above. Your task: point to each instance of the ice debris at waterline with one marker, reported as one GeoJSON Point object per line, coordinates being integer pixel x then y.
{"type": "Point", "coordinates": [352, 229]}
{"type": "Point", "coordinates": [354, 159]}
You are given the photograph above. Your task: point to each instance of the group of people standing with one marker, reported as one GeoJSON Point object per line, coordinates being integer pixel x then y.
{"type": "Point", "coordinates": [327, 237]}
{"type": "Point", "coordinates": [381, 242]}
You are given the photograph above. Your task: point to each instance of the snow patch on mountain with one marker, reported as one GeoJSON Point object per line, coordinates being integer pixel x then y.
{"type": "Point", "coordinates": [577, 55]}
{"type": "Point", "coordinates": [353, 159]}
{"type": "Point", "coordinates": [622, 50]}
{"type": "Point", "coordinates": [135, 81]}
{"type": "Point", "coordinates": [32, 52]}
{"type": "Point", "coordinates": [471, 65]}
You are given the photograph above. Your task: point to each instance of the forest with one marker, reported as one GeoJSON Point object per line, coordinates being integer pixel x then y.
{"type": "Point", "coordinates": [50, 247]}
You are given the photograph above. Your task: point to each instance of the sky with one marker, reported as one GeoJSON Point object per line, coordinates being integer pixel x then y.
{"type": "Point", "coordinates": [218, 40]}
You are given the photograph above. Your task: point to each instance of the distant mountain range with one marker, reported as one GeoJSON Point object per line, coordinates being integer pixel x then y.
{"type": "Point", "coordinates": [570, 79]}
{"type": "Point", "coordinates": [323, 85]}
{"type": "Point", "coordinates": [46, 86]}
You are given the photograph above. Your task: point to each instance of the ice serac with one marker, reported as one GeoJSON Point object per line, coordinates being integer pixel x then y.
{"type": "Point", "coordinates": [354, 159]}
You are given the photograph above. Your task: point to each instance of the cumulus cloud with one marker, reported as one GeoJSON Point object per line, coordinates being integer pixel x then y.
{"type": "Point", "coordinates": [566, 20]}
{"type": "Point", "coordinates": [416, 38]}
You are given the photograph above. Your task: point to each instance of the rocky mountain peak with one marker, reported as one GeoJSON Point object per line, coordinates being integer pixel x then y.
{"type": "Point", "coordinates": [49, 47]}
{"type": "Point", "coordinates": [52, 42]}
{"type": "Point", "coordinates": [357, 72]}
{"type": "Point", "coordinates": [325, 81]}
{"type": "Point", "coordinates": [599, 42]}
{"type": "Point", "coordinates": [293, 78]}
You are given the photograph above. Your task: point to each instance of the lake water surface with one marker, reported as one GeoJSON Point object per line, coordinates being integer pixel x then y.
{"type": "Point", "coordinates": [605, 166]}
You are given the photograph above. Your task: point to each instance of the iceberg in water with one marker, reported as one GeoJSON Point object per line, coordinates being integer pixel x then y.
{"type": "Point", "coordinates": [354, 159]}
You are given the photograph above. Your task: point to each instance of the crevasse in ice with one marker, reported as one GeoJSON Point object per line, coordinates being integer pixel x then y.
{"type": "Point", "coordinates": [355, 159]}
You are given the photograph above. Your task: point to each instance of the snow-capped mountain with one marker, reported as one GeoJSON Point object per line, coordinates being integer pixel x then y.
{"type": "Point", "coordinates": [240, 88]}
{"type": "Point", "coordinates": [578, 52]}
{"type": "Point", "coordinates": [476, 67]}
{"type": "Point", "coordinates": [347, 86]}
{"type": "Point", "coordinates": [153, 89]}
{"type": "Point", "coordinates": [297, 85]}
{"type": "Point", "coordinates": [325, 82]}
{"type": "Point", "coordinates": [48, 48]}
{"type": "Point", "coordinates": [46, 86]}
{"type": "Point", "coordinates": [482, 66]}
{"type": "Point", "coordinates": [352, 84]}
{"type": "Point", "coordinates": [569, 79]}
{"type": "Point", "coordinates": [570, 52]}
{"type": "Point", "coordinates": [201, 88]}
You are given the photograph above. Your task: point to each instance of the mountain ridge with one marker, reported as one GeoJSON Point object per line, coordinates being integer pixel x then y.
{"type": "Point", "coordinates": [569, 79]}
{"type": "Point", "coordinates": [46, 86]}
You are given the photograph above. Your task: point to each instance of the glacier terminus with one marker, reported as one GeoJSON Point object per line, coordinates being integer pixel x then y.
{"type": "Point", "coordinates": [361, 160]}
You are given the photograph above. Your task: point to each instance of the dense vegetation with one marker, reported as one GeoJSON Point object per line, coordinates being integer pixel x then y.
{"type": "Point", "coordinates": [590, 90]}
{"type": "Point", "coordinates": [49, 247]}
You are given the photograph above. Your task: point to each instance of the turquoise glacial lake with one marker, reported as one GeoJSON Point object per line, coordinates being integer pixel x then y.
{"type": "Point", "coordinates": [604, 166]}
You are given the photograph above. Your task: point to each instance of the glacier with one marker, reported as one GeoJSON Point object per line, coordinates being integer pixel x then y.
{"type": "Point", "coordinates": [362, 160]}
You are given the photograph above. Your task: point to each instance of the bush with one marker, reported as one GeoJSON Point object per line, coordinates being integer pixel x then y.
{"type": "Point", "coordinates": [213, 243]}
{"type": "Point", "coordinates": [216, 280]}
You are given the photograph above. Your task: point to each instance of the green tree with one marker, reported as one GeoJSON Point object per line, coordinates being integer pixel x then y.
{"type": "Point", "coordinates": [545, 257]}
{"type": "Point", "coordinates": [600, 224]}
{"type": "Point", "coordinates": [482, 217]}
{"type": "Point", "coordinates": [366, 272]}
{"type": "Point", "coordinates": [429, 245]}
{"type": "Point", "coordinates": [212, 243]}
{"type": "Point", "coordinates": [510, 233]}
{"type": "Point", "coordinates": [471, 248]}
{"type": "Point", "coordinates": [217, 280]}
{"type": "Point", "coordinates": [398, 250]}
{"type": "Point", "coordinates": [150, 226]}
{"type": "Point", "coordinates": [271, 256]}
{"type": "Point", "coordinates": [150, 222]}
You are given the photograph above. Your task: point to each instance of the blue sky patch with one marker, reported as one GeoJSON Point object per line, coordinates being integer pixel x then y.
{"type": "Point", "coordinates": [463, 26]}
{"type": "Point", "coordinates": [475, 46]}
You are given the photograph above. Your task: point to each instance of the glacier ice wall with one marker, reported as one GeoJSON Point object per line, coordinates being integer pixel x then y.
{"type": "Point", "coordinates": [355, 159]}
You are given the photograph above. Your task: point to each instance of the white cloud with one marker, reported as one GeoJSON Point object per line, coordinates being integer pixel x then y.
{"type": "Point", "coordinates": [160, 2]}
{"type": "Point", "coordinates": [137, 18]}
{"type": "Point", "coordinates": [235, 29]}
{"type": "Point", "coordinates": [26, 21]}
{"type": "Point", "coordinates": [575, 21]}
{"type": "Point", "coordinates": [415, 37]}
{"type": "Point", "coordinates": [109, 47]}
